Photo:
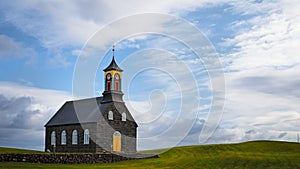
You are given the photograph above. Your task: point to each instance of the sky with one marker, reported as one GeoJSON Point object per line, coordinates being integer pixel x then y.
{"type": "Point", "coordinates": [195, 72]}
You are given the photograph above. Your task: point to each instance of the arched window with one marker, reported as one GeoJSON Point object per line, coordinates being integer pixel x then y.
{"type": "Point", "coordinates": [53, 138]}
{"type": "Point", "coordinates": [123, 116]}
{"type": "Point", "coordinates": [110, 115]}
{"type": "Point", "coordinates": [74, 137]}
{"type": "Point", "coordinates": [117, 82]}
{"type": "Point", "coordinates": [86, 139]}
{"type": "Point", "coordinates": [63, 137]}
{"type": "Point", "coordinates": [108, 82]}
{"type": "Point", "coordinates": [116, 133]}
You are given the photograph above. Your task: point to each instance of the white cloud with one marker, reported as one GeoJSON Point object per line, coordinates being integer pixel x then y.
{"type": "Point", "coordinates": [58, 60]}
{"type": "Point", "coordinates": [262, 76]}
{"type": "Point", "coordinates": [8, 44]}
{"type": "Point", "coordinates": [263, 100]}
{"type": "Point", "coordinates": [57, 23]}
{"type": "Point", "coordinates": [270, 39]}
{"type": "Point", "coordinates": [23, 113]}
{"type": "Point", "coordinates": [11, 49]}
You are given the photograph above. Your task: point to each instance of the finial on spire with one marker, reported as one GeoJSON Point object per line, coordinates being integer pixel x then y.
{"type": "Point", "coordinates": [113, 50]}
{"type": "Point", "coordinates": [113, 65]}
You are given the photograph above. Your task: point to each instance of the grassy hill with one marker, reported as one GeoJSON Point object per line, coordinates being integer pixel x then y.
{"type": "Point", "coordinates": [256, 154]}
{"type": "Point", "coordinates": [4, 150]}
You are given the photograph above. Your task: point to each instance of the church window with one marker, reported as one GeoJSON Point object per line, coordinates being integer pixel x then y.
{"type": "Point", "coordinates": [74, 137]}
{"type": "Point", "coordinates": [110, 115]}
{"type": "Point", "coordinates": [53, 138]}
{"type": "Point", "coordinates": [123, 116]}
{"type": "Point", "coordinates": [63, 137]}
{"type": "Point", "coordinates": [86, 139]}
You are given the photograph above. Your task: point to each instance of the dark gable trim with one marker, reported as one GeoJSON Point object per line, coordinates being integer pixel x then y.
{"type": "Point", "coordinates": [70, 124]}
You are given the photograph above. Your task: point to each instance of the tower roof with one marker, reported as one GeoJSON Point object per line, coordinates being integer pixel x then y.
{"type": "Point", "coordinates": [113, 66]}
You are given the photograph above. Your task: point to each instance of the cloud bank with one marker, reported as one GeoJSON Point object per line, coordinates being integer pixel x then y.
{"type": "Point", "coordinates": [23, 113]}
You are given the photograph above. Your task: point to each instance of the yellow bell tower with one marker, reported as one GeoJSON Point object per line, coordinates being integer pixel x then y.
{"type": "Point", "coordinates": [113, 76]}
{"type": "Point", "coordinates": [112, 82]}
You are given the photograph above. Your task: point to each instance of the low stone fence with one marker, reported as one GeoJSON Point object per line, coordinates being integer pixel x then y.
{"type": "Point", "coordinates": [70, 158]}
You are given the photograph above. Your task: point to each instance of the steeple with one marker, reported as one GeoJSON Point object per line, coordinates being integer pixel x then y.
{"type": "Point", "coordinates": [113, 79]}
{"type": "Point", "coordinates": [113, 65]}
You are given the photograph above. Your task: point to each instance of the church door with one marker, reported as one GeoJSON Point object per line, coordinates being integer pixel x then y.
{"type": "Point", "coordinates": [117, 141]}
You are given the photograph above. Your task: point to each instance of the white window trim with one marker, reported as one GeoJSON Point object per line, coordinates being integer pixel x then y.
{"type": "Point", "coordinates": [117, 133]}
{"type": "Point", "coordinates": [53, 138]}
{"type": "Point", "coordinates": [86, 139]}
{"type": "Point", "coordinates": [74, 137]}
{"type": "Point", "coordinates": [124, 116]}
{"type": "Point", "coordinates": [63, 137]}
{"type": "Point", "coordinates": [110, 115]}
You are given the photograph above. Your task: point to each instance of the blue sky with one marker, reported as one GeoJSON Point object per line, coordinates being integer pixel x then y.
{"type": "Point", "coordinates": [42, 43]}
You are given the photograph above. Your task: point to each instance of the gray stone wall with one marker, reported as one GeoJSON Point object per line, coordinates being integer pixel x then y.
{"type": "Point", "coordinates": [70, 158]}
{"type": "Point", "coordinates": [128, 129]}
{"type": "Point", "coordinates": [69, 147]}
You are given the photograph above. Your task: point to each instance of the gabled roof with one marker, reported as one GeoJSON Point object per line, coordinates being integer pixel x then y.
{"type": "Point", "coordinates": [72, 112]}
{"type": "Point", "coordinates": [113, 66]}
{"type": "Point", "coordinates": [84, 111]}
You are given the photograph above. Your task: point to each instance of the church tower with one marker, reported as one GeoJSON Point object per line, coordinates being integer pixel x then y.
{"type": "Point", "coordinates": [113, 82]}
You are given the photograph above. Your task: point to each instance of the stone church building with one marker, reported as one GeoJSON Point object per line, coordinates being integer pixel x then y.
{"type": "Point", "coordinates": [100, 124]}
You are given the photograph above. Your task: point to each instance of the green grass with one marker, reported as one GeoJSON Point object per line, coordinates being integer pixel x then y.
{"type": "Point", "coordinates": [256, 154]}
{"type": "Point", "coordinates": [5, 150]}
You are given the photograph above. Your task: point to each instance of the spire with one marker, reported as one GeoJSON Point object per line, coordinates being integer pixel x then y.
{"type": "Point", "coordinates": [113, 50]}
{"type": "Point", "coordinates": [113, 65]}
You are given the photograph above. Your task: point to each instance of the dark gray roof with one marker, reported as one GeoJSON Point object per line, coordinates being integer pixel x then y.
{"type": "Point", "coordinates": [84, 111]}
{"type": "Point", "coordinates": [113, 66]}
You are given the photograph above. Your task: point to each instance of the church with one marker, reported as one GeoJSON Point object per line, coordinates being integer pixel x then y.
{"type": "Point", "coordinates": [99, 124]}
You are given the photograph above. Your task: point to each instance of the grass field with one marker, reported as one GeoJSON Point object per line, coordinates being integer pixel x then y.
{"type": "Point", "coordinates": [256, 154]}
{"type": "Point", "coordinates": [4, 150]}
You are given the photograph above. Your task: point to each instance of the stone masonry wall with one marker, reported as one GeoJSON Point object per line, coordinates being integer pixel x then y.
{"type": "Point", "coordinates": [69, 147]}
{"type": "Point", "coordinates": [69, 158]}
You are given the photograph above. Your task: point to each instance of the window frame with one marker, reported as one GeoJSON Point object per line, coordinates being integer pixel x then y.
{"type": "Point", "coordinates": [74, 137]}
{"type": "Point", "coordinates": [117, 82]}
{"type": "Point", "coordinates": [63, 137]}
{"type": "Point", "coordinates": [110, 115]}
{"type": "Point", "coordinates": [108, 81]}
{"type": "Point", "coordinates": [86, 136]}
{"type": "Point", "coordinates": [53, 138]}
{"type": "Point", "coordinates": [124, 116]}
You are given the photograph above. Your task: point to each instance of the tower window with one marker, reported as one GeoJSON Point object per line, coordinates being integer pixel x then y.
{"type": "Point", "coordinates": [117, 86]}
{"type": "Point", "coordinates": [117, 82]}
{"type": "Point", "coordinates": [63, 137]}
{"type": "Point", "coordinates": [53, 138]}
{"type": "Point", "coordinates": [110, 115]}
{"type": "Point", "coordinates": [86, 139]}
{"type": "Point", "coordinates": [123, 116]}
{"type": "Point", "coordinates": [108, 81]}
{"type": "Point", "coordinates": [108, 85]}
{"type": "Point", "coordinates": [74, 137]}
